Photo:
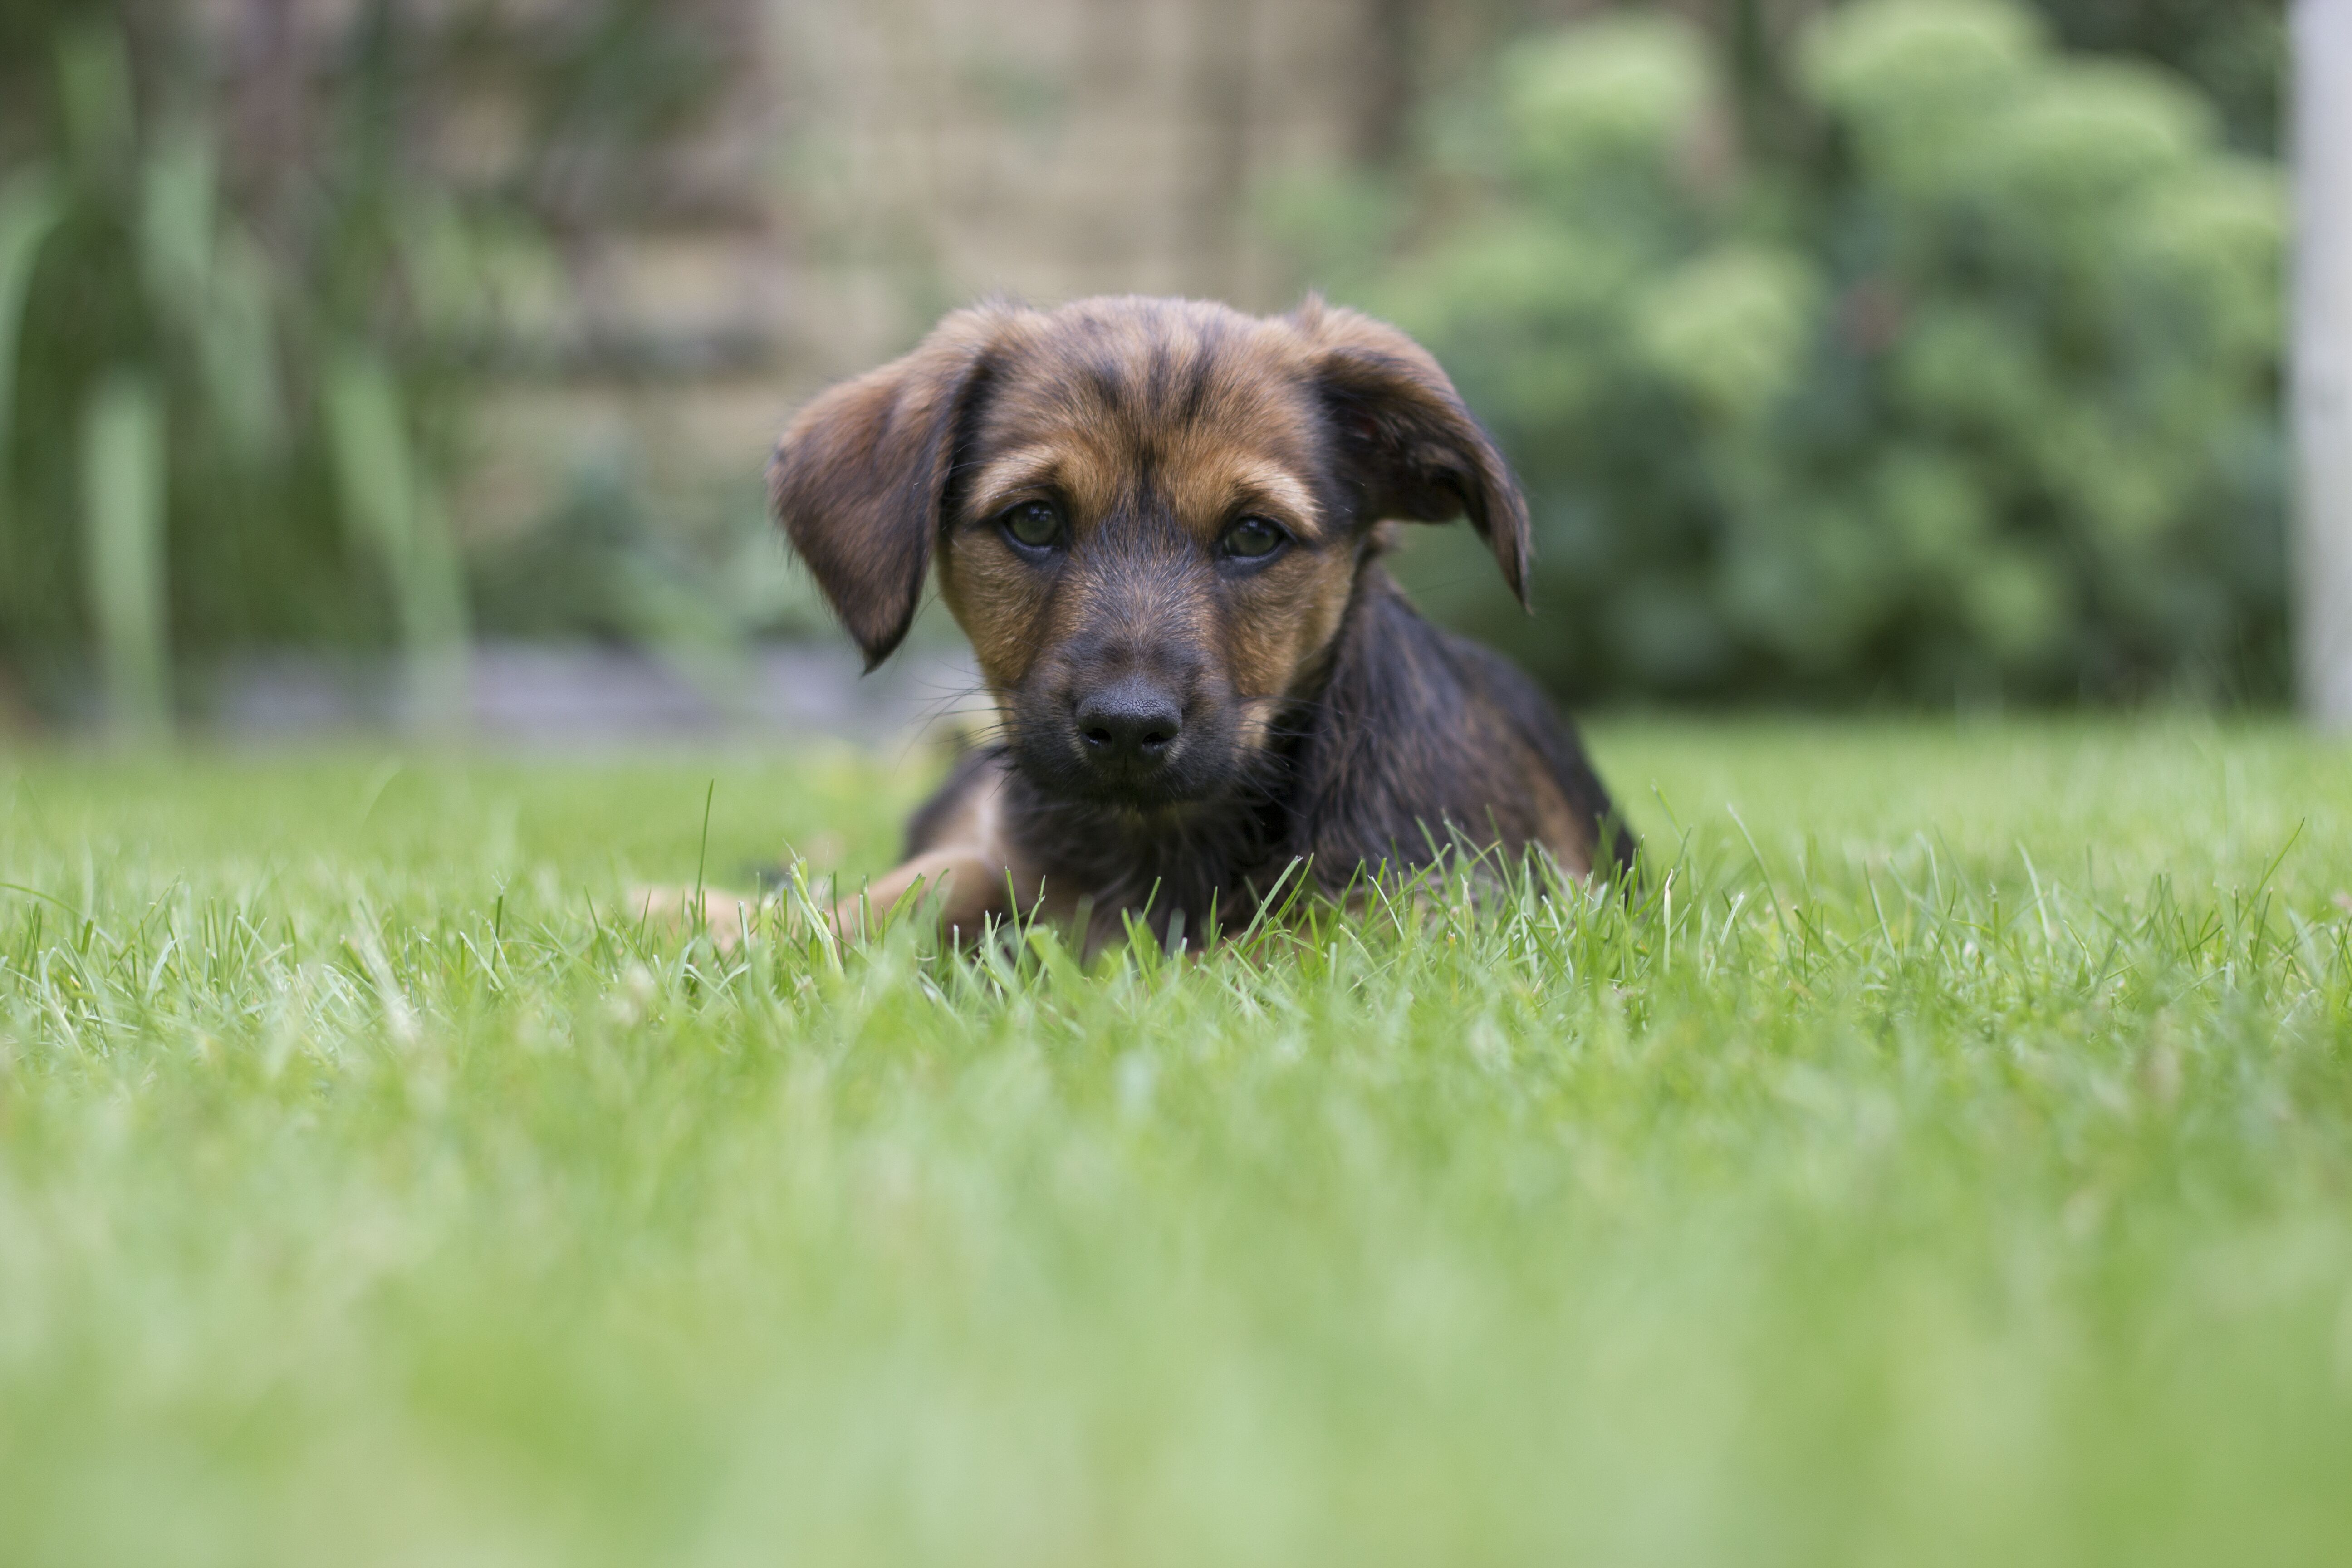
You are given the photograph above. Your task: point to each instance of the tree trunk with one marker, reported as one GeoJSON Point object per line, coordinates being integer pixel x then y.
{"type": "Point", "coordinates": [2322, 382]}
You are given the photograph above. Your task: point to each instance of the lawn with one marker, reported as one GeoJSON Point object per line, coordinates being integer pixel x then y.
{"type": "Point", "coordinates": [1951, 1162]}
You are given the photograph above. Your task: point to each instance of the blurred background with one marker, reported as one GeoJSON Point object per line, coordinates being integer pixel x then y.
{"type": "Point", "coordinates": [416, 362]}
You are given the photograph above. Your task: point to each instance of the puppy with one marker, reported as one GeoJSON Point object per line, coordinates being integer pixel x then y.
{"type": "Point", "coordinates": [1159, 521]}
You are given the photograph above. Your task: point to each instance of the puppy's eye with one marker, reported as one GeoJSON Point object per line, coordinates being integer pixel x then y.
{"type": "Point", "coordinates": [1033, 524]}
{"type": "Point", "coordinates": [1252, 538]}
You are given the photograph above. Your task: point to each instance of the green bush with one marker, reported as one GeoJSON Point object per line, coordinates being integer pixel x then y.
{"type": "Point", "coordinates": [234, 370]}
{"type": "Point", "coordinates": [223, 420]}
{"type": "Point", "coordinates": [1976, 399]}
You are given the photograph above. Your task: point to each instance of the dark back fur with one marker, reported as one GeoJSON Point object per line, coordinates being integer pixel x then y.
{"type": "Point", "coordinates": [1416, 739]}
{"type": "Point", "coordinates": [1182, 717]}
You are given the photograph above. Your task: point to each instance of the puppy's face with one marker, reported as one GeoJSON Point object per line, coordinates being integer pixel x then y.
{"type": "Point", "coordinates": [1148, 544]}
{"type": "Point", "coordinates": [1148, 515]}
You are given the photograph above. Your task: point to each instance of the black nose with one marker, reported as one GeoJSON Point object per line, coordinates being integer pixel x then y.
{"type": "Point", "coordinates": [1130, 721]}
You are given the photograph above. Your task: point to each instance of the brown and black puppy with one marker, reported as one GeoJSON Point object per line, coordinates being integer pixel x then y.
{"type": "Point", "coordinates": [1159, 521]}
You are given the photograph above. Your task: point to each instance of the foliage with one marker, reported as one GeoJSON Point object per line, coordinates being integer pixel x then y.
{"type": "Point", "coordinates": [291, 362]}
{"type": "Point", "coordinates": [598, 566]}
{"type": "Point", "coordinates": [234, 366]}
{"type": "Point", "coordinates": [2237, 53]}
{"type": "Point", "coordinates": [1965, 1185]}
{"type": "Point", "coordinates": [1978, 401]}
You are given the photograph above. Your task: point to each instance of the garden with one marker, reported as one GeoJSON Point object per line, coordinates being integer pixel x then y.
{"type": "Point", "coordinates": [1943, 1159]}
{"type": "Point", "coordinates": [1940, 1150]}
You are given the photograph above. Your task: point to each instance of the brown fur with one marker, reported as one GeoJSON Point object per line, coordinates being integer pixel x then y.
{"type": "Point", "coordinates": [1179, 721]}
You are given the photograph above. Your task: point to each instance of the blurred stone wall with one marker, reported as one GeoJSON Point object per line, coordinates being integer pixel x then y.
{"type": "Point", "coordinates": [867, 166]}
{"type": "Point", "coordinates": [745, 199]}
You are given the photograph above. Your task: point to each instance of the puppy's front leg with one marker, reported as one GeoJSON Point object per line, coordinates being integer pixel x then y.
{"type": "Point", "coordinates": [969, 885]}
{"type": "Point", "coordinates": [959, 856]}
{"type": "Point", "coordinates": [960, 853]}
{"type": "Point", "coordinates": [968, 881]}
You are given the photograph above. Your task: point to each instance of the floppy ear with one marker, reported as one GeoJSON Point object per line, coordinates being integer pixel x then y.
{"type": "Point", "coordinates": [1414, 447]}
{"type": "Point", "coordinates": [860, 475]}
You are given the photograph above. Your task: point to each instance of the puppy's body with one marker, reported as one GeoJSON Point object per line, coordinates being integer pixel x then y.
{"type": "Point", "coordinates": [1160, 522]}
{"type": "Point", "coordinates": [1417, 736]}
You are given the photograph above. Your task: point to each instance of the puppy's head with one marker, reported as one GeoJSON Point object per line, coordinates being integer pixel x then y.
{"type": "Point", "coordinates": [1148, 516]}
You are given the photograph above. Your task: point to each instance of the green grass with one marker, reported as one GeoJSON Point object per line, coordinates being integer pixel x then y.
{"type": "Point", "coordinates": [1967, 1179]}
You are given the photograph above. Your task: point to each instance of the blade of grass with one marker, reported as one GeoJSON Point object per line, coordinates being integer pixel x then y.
{"type": "Point", "coordinates": [124, 552]}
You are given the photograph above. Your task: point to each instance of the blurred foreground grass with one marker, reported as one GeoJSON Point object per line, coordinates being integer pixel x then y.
{"type": "Point", "coordinates": [1967, 1179]}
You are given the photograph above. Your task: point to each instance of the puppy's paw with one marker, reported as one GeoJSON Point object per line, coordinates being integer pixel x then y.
{"type": "Point", "coordinates": [729, 917]}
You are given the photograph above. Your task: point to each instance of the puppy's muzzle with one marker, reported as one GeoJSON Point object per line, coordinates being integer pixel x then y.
{"type": "Point", "coordinates": [1127, 730]}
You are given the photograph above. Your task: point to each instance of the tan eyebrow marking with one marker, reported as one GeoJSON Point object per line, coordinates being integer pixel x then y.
{"type": "Point", "coordinates": [1272, 484]}
{"type": "Point", "coordinates": [1024, 467]}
